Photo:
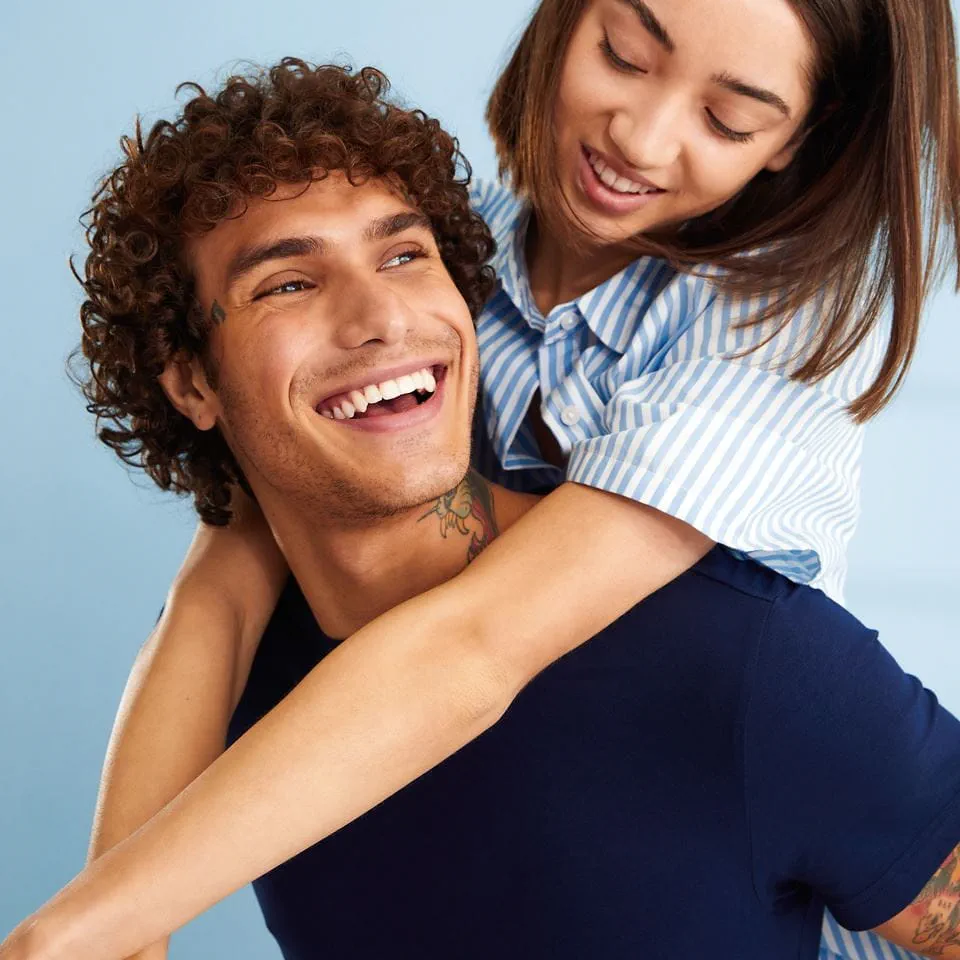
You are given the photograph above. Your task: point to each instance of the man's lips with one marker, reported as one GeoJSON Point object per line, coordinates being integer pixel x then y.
{"type": "Point", "coordinates": [410, 415]}
{"type": "Point", "coordinates": [378, 376]}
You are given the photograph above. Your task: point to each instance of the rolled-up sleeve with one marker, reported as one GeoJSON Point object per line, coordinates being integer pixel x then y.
{"type": "Point", "coordinates": [721, 437]}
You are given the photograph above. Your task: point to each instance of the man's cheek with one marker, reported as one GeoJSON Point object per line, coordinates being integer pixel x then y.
{"type": "Point", "coordinates": [274, 358]}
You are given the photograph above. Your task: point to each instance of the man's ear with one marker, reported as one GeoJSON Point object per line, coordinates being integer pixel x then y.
{"type": "Point", "coordinates": [186, 387]}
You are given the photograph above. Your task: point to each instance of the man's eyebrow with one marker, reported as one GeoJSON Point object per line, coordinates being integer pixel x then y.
{"type": "Point", "coordinates": [385, 227]}
{"type": "Point", "coordinates": [248, 258]}
{"type": "Point", "coordinates": [651, 24]}
{"type": "Point", "coordinates": [748, 90]}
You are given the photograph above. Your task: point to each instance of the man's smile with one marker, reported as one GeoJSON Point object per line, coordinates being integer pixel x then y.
{"type": "Point", "coordinates": [404, 397]}
{"type": "Point", "coordinates": [383, 392]}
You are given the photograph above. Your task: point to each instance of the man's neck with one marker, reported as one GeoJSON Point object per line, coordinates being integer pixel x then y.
{"type": "Point", "coordinates": [351, 575]}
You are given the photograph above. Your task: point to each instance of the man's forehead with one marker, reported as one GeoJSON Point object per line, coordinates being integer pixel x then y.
{"type": "Point", "coordinates": [326, 211]}
{"type": "Point", "coordinates": [337, 204]}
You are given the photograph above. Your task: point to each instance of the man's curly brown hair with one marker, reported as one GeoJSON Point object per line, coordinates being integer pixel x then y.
{"type": "Point", "coordinates": [288, 124]}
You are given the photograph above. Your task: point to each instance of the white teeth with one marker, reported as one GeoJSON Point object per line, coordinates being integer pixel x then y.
{"type": "Point", "coordinates": [390, 389]}
{"type": "Point", "coordinates": [359, 401]}
{"type": "Point", "coordinates": [615, 182]}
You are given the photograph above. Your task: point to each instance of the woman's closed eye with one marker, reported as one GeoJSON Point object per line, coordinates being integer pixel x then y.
{"type": "Point", "coordinates": [737, 136]}
{"type": "Point", "coordinates": [614, 58]}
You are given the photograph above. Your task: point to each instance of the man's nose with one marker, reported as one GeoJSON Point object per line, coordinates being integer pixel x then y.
{"type": "Point", "coordinates": [371, 313]}
{"type": "Point", "coordinates": [648, 134]}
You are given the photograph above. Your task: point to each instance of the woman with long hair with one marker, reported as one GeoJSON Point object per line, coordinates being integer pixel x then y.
{"type": "Point", "coordinates": [706, 209]}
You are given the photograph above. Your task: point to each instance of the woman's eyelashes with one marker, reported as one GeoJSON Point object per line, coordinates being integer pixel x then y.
{"type": "Point", "coordinates": [614, 58]}
{"type": "Point", "coordinates": [738, 136]}
{"type": "Point", "coordinates": [625, 66]}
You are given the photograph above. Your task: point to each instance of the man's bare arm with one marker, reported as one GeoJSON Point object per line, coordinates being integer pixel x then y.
{"type": "Point", "coordinates": [185, 683]}
{"type": "Point", "coordinates": [930, 926]}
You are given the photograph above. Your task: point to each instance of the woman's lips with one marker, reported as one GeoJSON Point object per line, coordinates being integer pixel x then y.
{"type": "Point", "coordinates": [603, 198]}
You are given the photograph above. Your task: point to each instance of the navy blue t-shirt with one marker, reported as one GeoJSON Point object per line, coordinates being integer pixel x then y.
{"type": "Point", "coordinates": [698, 780]}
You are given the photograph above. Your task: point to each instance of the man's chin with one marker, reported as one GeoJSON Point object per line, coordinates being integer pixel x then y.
{"type": "Point", "coordinates": [395, 494]}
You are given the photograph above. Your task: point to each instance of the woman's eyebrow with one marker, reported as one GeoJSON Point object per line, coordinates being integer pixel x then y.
{"type": "Point", "coordinates": [651, 24]}
{"type": "Point", "coordinates": [749, 90]}
{"type": "Point", "coordinates": [656, 29]}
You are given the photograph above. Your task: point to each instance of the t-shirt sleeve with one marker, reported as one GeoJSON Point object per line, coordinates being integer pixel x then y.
{"type": "Point", "coordinates": [717, 432]}
{"type": "Point", "coordinates": [851, 766]}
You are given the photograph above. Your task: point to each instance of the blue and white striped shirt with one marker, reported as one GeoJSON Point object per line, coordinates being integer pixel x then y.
{"type": "Point", "coordinates": [648, 387]}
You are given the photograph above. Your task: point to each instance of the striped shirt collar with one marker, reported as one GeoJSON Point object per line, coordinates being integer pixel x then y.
{"type": "Point", "coordinates": [613, 310]}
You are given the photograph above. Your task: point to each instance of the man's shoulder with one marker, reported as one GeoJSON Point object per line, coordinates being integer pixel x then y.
{"type": "Point", "coordinates": [741, 575]}
{"type": "Point", "coordinates": [725, 594]}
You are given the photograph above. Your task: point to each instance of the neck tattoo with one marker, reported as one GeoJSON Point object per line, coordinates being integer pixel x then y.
{"type": "Point", "coordinates": [467, 510]}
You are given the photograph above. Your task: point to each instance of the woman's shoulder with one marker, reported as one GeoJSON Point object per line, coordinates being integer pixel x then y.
{"type": "Point", "coordinates": [713, 319]}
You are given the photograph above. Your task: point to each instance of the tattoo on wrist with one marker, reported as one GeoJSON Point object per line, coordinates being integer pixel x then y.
{"type": "Point", "coordinates": [468, 511]}
{"type": "Point", "coordinates": [217, 314]}
{"type": "Point", "coordinates": [938, 910]}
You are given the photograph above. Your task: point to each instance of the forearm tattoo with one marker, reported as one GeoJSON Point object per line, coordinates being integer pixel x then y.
{"type": "Point", "coordinates": [937, 910]}
{"type": "Point", "coordinates": [468, 511]}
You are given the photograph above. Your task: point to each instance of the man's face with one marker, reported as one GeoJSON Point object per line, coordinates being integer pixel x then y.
{"type": "Point", "coordinates": [347, 360]}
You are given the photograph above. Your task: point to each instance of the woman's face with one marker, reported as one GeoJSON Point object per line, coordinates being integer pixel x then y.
{"type": "Point", "coordinates": [667, 108]}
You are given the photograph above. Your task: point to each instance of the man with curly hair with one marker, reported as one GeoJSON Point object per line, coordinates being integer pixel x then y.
{"type": "Point", "coordinates": [279, 297]}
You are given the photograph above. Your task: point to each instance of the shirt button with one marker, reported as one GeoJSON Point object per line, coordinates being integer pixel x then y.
{"type": "Point", "coordinates": [570, 416]}
{"type": "Point", "coordinates": [568, 321]}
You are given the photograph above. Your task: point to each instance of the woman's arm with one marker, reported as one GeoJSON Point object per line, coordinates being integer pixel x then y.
{"type": "Point", "coordinates": [398, 697]}
{"type": "Point", "coordinates": [187, 678]}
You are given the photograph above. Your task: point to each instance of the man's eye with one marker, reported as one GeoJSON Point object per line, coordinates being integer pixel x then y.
{"type": "Point", "coordinates": [408, 256]}
{"type": "Point", "coordinates": [288, 286]}
{"type": "Point", "coordinates": [616, 60]}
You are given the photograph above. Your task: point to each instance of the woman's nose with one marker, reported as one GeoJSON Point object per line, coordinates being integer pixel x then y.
{"type": "Point", "coordinates": [648, 134]}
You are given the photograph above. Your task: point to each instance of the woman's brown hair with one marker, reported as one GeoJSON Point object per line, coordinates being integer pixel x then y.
{"type": "Point", "coordinates": [291, 123]}
{"type": "Point", "coordinates": [869, 209]}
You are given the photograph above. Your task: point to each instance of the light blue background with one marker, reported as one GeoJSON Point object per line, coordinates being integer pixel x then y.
{"type": "Point", "coordinates": [88, 553]}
